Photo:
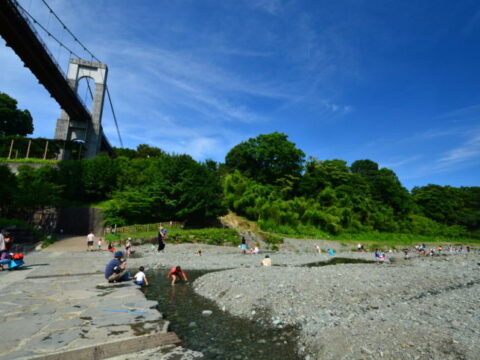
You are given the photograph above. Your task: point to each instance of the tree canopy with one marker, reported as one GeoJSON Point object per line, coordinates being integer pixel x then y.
{"type": "Point", "coordinates": [265, 179]}
{"type": "Point", "coordinates": [12, 120]}
{"type": "Point", "coordinates": [266, 158]}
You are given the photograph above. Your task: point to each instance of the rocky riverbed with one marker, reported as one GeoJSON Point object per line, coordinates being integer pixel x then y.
{"type": "Point", "coordinates": [421, 308]}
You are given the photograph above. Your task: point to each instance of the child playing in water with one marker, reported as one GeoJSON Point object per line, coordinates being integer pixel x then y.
{"type": "Point", "coordinates": [99, 243]}
{"type": "Point", "coordinates": [140, 278]}
{"type": "Point", "coordinates": [177, 273]}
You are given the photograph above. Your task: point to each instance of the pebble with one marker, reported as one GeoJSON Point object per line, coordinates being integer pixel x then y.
{"type": "Point", "coordinates": [207, 312]}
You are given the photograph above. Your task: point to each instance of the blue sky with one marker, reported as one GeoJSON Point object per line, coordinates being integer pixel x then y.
{"type": "Point", "coordinates": [397, 82]}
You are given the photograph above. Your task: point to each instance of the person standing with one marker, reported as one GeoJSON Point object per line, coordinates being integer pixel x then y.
{"type": "Point", "coordinates": [90, 239]}
{"type": "Point", "coordinates": [128, 247]}
{"type": "Point", "coordinates": [161, 238]}
{"type": "Point", "coordinates": [243, 246]}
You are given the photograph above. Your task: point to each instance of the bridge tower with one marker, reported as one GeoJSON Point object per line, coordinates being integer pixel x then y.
{"type": "Point", "coordinates": [78, 129]}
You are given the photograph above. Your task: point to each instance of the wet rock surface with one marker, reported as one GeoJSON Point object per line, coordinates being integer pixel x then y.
{"type": "Point", "coordinates": [60, 302]}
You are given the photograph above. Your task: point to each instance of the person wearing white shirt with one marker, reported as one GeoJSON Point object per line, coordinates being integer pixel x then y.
{"type": "Point", "coordinates": [90, 239]}
{"type": "Point", "coordinates": [140, 278]}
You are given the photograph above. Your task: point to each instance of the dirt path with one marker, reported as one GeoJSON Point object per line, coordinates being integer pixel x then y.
{"type": "Point", "coordinates": [69, 243]}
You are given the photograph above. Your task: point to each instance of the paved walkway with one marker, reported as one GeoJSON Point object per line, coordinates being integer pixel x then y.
{"type": "Point", "coordinates": [70, 244]}
{"type": "Point", "coordinates": [59, 302]}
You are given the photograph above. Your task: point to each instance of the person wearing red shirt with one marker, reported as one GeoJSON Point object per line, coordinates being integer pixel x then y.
{"type": "Point", "coordinates": [177, 273]}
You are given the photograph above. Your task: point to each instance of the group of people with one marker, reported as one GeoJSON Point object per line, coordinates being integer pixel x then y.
{"type": "Point", "coordinates": [110, 247]}
{"type": "Point", "coordinates": [243, 246]}
{"type": "Point", "coordinates": [116, 271]}
{"type": "Point", "coordinates": [330, 252]}
{"type": "Point", "coordinates": [91, 240]}
{"type": "Point", "coordinates": [422, 250]}
{"type": "Point", "coordinates": [380, 255]}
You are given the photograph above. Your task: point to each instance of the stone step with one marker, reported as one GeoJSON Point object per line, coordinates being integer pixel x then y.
{"type": "Point", "coordinates": [115, 348]}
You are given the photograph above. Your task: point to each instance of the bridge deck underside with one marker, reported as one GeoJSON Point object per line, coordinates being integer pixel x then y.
{"type": "Point", "coordinates": [20, 37]}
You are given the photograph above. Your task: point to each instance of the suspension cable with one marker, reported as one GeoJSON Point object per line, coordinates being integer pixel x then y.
{"type": "Point", "coordinates": [35, 21]}
{"type": "Point", "coordinates": [114, 117]}
{"type": "Point", "coordinates": [70, 32]}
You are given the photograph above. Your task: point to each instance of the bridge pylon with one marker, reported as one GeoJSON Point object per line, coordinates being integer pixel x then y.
{"type": "Point", "coordinates": [90, 132]}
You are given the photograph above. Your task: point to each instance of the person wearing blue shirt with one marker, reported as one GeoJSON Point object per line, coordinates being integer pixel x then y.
{"type": "Point", "coordinates": [116, 269]}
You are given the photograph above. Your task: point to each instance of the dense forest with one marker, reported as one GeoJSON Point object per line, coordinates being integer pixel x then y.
{"type": "Point", "coordinates": [265, 179]}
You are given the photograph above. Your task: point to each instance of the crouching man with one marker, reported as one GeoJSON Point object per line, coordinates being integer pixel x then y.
{"type": "Point", "coordinates": [116, 269]}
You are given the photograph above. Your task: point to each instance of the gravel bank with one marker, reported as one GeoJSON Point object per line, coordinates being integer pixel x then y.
{"type": "Point", "coordinates": [425, 308]}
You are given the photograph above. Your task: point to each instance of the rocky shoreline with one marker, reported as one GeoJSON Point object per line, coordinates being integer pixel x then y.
{"type": "Point", "coordinates": [421, 308]}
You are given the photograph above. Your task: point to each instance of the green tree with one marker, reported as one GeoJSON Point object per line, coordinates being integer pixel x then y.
{"type": "Point", "coordinates": [367, 169]}
{"type": "Point", "coordinates": [12, 120]}
{"type": "Point", "coordinates": [165, 188]}
{"type": "Point", "coordinates": [147, 151]}
{"type": "Point", "coordinates": [389, 190]}
{"type": "Point", "coordinates": [125, 152]}
{"type": "Point", "coordinates": [320, 174]}
{"type": "Point", "coordinates": [449, 205]}
{"type": "Point", "coordinates": [266, 158]}
{"type": "Point", "coordinates": [99, 177]}
{"type": "Point", "coordinates": [36, 190]}
{"type": "Point", "coordinates": [8, 189]}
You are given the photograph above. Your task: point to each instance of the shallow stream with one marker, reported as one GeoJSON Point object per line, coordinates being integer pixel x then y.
{"type": "Point", "coordinates": [220, 335]}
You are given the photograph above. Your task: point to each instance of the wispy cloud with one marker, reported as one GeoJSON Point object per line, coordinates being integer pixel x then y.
{"type": "Point", "coordinates": [272, 7]}
{"type": "Point", "coordinates": [401, 162]}
{"type": "Point", "coordinates": [465, 155]}
{"type": "Point", "coordinates": [464, 113]}
{"type": "Point", "coordinates": [466, 152]}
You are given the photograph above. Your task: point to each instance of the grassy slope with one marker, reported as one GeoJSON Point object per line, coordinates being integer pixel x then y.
{"type": "Point", "coordinates": [370, 240]}
{"type": "Point", "coordinates": [212, 236]}
{"type": "Point", "coordinates": [29, 160]}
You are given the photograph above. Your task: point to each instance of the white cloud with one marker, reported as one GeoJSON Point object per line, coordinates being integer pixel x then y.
{"type": "Point", "coordinates": [468, 151]}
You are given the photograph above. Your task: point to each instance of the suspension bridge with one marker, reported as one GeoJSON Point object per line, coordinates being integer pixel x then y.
{"type": "Point", "coordinates": [20, 31]}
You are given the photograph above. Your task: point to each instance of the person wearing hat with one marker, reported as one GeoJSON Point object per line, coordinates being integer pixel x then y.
{"type": "Point", "coordinates": [116, 269]}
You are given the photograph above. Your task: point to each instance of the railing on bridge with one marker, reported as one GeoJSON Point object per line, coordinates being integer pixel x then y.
{"type": "Point", "coordinates": [18, 148]}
